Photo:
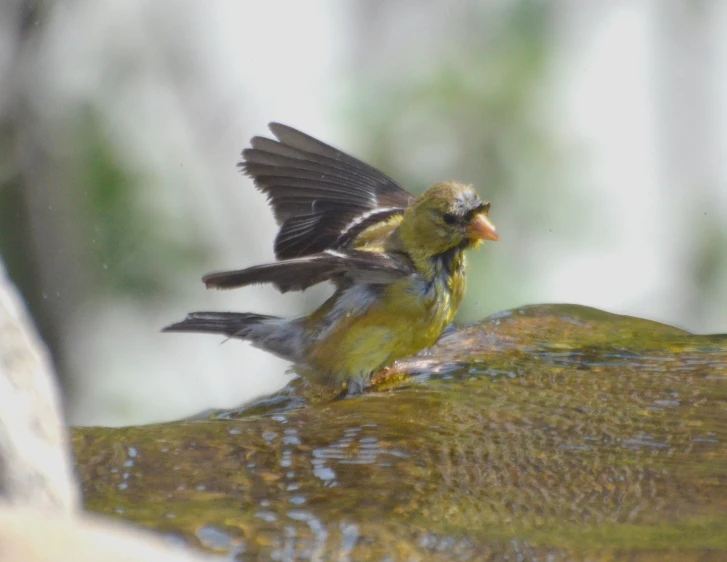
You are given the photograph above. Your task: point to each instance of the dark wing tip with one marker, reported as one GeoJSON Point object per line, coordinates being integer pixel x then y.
{"type": "Point", "coordinates": [279, 128]}
{"type": "Point", "coordinates": [283, 275]}
{"type": "Point", "coordinates": [224, 280]}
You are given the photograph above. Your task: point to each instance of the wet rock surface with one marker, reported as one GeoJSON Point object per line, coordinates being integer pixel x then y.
{"type": "Point", "coordinates": [551, 432]}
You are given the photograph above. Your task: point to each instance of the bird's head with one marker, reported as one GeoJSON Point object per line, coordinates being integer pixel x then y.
{"type": "Point", "coordinates": [445, 216]}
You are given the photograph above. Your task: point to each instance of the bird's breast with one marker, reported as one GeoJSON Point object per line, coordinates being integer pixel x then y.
{"type": "Point", "coordinates": [447, 278]}
{"type": "Point", "coordinates": [364, 327]}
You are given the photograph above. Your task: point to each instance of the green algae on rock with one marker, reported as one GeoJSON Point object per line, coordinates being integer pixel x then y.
{"type": "Point", "coordinates": [548, 432]}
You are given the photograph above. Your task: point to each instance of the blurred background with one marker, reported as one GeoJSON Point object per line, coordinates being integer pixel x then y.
{"type": "Point", "coordinates": [598, 130]}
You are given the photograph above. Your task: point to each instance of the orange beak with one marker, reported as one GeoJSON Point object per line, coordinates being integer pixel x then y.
{"type": "Point", "coordinates": [480, 228]}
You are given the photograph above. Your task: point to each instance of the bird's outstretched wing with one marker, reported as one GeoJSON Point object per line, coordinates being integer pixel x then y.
{"type": "Point", "coordinates": [297, 274]}
{"type": "Point", "coordinates": [318, 193]}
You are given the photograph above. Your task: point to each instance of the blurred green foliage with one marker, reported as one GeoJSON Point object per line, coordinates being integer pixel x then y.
{"type": "Point", "coordinates": [134, 246]}
{"type": "Point", "coordinates": [86, 224]}
{"type": "Point", "coordinates": [476, 105]}
{"type": "Point", "coordinates": [15, 247]}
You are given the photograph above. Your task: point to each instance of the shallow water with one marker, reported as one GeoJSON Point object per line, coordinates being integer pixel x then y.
{"type": "Point", "coordinates": [544, 433]}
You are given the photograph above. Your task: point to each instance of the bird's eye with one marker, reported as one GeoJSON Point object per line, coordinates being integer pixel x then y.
{"type": "Point", "coordinates": [449, 218]}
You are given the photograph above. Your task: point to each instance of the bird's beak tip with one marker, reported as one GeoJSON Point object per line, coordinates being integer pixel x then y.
{"type": "Point", "coordinates": [481, 228]}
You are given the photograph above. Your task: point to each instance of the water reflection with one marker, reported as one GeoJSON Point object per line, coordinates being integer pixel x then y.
{"type": "Point", "coordinates": [600, 442]}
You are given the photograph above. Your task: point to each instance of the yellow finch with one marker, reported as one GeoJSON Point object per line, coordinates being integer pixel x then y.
{"type": "Point", "coordinates": [397, 261]}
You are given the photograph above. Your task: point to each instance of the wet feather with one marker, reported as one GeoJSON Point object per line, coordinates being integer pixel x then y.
{"type": "Point", "coordinates": [398, 262]}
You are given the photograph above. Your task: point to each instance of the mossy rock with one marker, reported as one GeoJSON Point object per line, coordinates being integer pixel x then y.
{"type": "Point", "coordinates": [544, 433]}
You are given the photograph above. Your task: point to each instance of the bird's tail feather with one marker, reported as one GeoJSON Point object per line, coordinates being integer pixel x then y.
{"type": "Point", "coordinates": [282, 337]}
{"type": "Point", "coordinates": [232, 324]}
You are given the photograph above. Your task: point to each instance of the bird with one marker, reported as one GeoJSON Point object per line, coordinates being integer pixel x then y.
{"type": "Point", "coordinates": [397, 261]}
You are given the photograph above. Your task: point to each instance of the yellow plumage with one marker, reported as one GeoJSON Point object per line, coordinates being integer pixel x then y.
{"type": "Point", "coordinates": [400, 322]}
{"type": "Point", "coordinates": [397, 262]}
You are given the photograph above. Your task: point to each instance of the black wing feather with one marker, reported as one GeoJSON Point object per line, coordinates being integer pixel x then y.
{"type": "Point", "coordinates": [302, 235]}
{"type": "Point", "coordinates": [300, 273]}
{"type": "Point", "coordinates": [388, 191]}
{"type": "Point", "coordinates": [315, 190]}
